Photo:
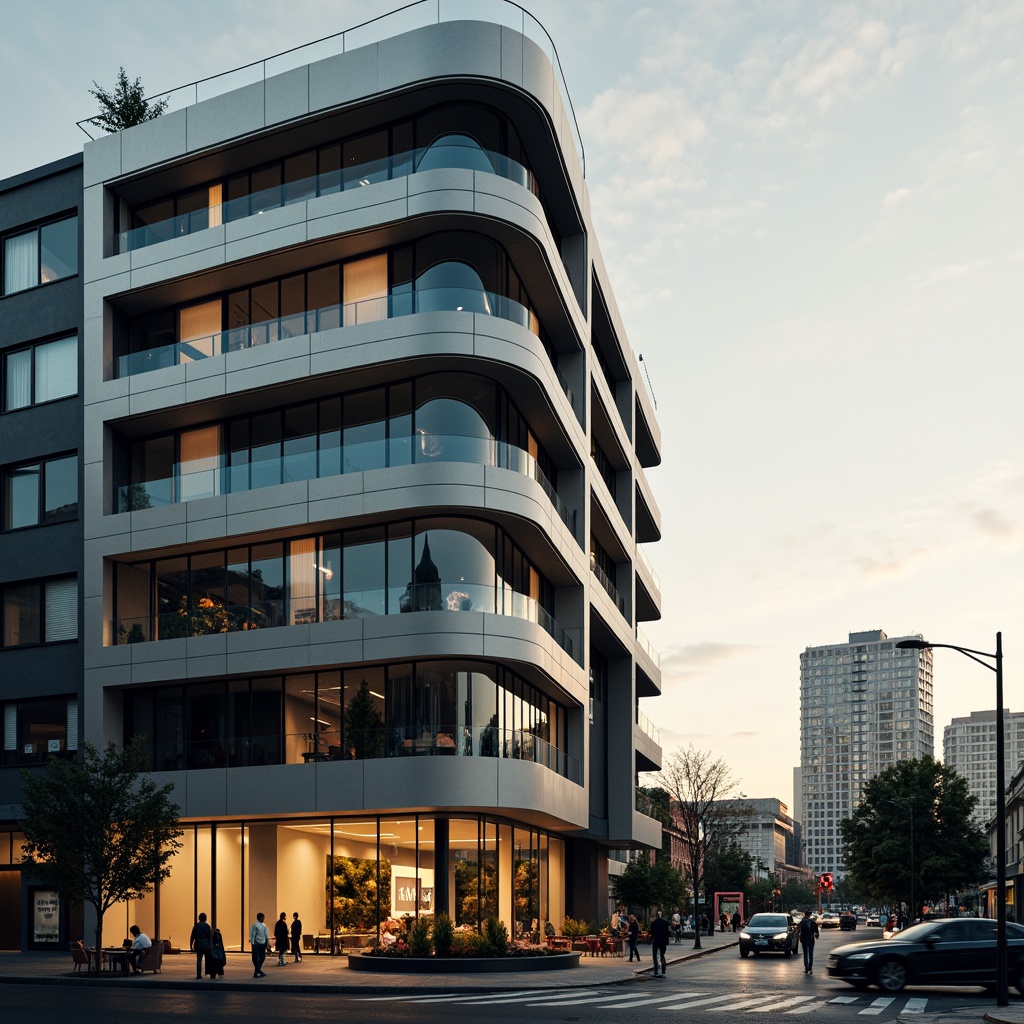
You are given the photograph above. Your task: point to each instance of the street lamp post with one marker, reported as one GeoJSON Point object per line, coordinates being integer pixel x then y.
{"type": "Point", "coordinates": [1002, 993]}
{"type": "Point", "coordinates": [909, 807]}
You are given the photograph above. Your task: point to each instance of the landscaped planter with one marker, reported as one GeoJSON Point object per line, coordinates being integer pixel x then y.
{"type": "Point", "coordinates": [464, 965]}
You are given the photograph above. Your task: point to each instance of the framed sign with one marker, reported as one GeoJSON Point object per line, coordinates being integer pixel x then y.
{"type": "Point", "coordinates": [45, 916]}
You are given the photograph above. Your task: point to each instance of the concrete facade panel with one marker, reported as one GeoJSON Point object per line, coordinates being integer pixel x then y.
{"type": "Point", "coordinates": [153, 142]}
{"type": "Point", "coordinates": [343, 78]}
{"type": "Point", "coordinates": [229, 115]}
{"type": "Point", "coordinates": [287, 95]}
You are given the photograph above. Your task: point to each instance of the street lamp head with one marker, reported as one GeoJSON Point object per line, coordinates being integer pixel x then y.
{"type": "Point", "coordinates": [915, 645]}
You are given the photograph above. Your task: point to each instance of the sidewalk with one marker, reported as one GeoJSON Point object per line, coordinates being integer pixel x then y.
{"type": "Point", "coordinates": [323, 973]}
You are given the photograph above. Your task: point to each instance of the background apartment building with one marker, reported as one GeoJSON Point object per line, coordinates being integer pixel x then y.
{"type": "Point", "coordinates": [969, 746]}
{"type": "Point", "coordinates": [863, 706]}
{"type": "Point", "coordinates": [363, 449]}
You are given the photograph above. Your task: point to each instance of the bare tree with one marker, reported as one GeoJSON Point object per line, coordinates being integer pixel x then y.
{"type": "Point", "coordinates": [701, 788]}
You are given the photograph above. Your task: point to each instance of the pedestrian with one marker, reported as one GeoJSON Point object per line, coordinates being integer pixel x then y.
{"type": "Point", "coordinates": [723, 921]}
{"type": "Point", "coordinates": [659, 941]}
{"type": "Point", "coordinates": [808, 933]}
{"type": "Point", "coordinates": [281, 938]}
{"type": "Point", "coordinates": [259, 940]}
{"type": "Point", "coordinates": [216, 958]}
{"type": "Point", "coordinates": [199, 943]}
{"type": "Point", "coordinates": [633, 933]}
{"type": "Point", "coordinates": [140, 942]}
{"type": "Point", "coordinates": [677, 926]}
{"type": "Point", "coordinates": [296, 937]}
{"type": "Point", "coordinates": [736, 920]}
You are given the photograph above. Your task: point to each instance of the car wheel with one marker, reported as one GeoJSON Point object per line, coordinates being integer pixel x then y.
{"type": "Point", "coordinates": [891, 975]}
{"type": "Point", "coordinates": [744, 952]}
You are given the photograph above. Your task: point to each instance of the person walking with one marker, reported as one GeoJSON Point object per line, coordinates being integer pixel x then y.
{"type": "Point", "coordinates": [808, 933]}
{"type": "Point", "coordinates": [216, 958]}
{"type": "Point", "coordinates": [736, 920]}
{"type": "Point", "coordinates": [199, 943]}
{"type": "Point", "coordinates": [633, 934]}
{"type": "Point", "coordinates": [281, 938]}
{"type": "Point", "coordinates": [659, 941]}
{"type": "Point", "coordinates": [296, 937]}
{"type": "Point", "coordinates": [259, 940]}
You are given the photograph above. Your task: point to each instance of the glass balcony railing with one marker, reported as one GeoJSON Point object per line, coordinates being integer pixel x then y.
{"type": "Point", "coordinates": [437, 740]}
{"type": "Point", "coordinates": [452, 152]}
{"type": "Point", "coordinates": [267, 332]}
{"type": "Point", "coordinates": [210, 616]}
{"type": "Point", "coordinates": [609, 587]}
{"type": "Point", "coordinates": [641, 557]}
{"type": "Point", "coordinates": [647, 647]}
{"type": "Point", "coordinates": [647, 727]}
{"type": "Point", "coordinates": [189, 483]}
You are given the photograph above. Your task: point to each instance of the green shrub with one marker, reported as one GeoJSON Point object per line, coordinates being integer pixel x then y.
{"type": "Point", "coordinates": [497, 936]}
{"type": "Point", "coordinates": [574, 929]}
{"type": "Point", "coordinates": [444, 933]}
{"type": "Point", "coordinates": [419, 938]}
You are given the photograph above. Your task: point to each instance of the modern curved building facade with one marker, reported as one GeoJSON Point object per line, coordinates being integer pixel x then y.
{"type": "Point", "coordinates": [363, 493]}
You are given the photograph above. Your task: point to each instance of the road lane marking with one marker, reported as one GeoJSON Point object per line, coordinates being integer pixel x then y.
{"type": "Point", "coordinates": [696, 1002]}
{"type": "Point", "coordinates": [806, 1008]}
{"type": "Point", "coordinates": [877, 1006]}
{"type": "Point", "coordinates": [742, 1005]}
{"type": "Point", "coordinates": [790, 1001]}
{"type": "Point", "coordinates": [915, 1006]}
{"type": "Point", "coordinates": [845, 999]}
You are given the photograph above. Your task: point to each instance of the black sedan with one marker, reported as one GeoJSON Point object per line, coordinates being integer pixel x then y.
{"type": "Point", "coordinates": [769, 933]}
{"type": "Point", "coordinates": [955, 951]}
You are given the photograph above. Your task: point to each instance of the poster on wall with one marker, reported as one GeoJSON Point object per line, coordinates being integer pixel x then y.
{"type": "Point", "coordinates": [46, 916]}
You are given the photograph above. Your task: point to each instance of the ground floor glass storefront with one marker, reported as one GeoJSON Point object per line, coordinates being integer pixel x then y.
{"type": "Point", "coordinates": [345, 876]}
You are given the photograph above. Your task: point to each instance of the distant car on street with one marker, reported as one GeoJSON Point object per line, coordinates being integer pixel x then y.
{"type": "Point", "coordinates": [829, 919]}
{"type": "Point", "coordinates": [848, 921]}
{"type": "Point", "coordinates": [954, 951]}
{"type": "Point", "coordinates": [769, 933]}
{"type": "Point", "coordinates": [873, 921]}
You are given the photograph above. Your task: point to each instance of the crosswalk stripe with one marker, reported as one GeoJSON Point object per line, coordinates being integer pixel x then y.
{"type": "Point", "coordinates": [781, 1005]}
{"type": "Point", "coordinates": [696, 1002]}
{"type": "Point", "coordinates": [877, 1006]}
{"type": "Point", "coordinates": [741, 1005]}
{"type": "Point", "coordinates": [845, 999]}
{"type": "Point", "coordinates": [915, 1006]}
{"type": "Point", "coordinates": [806, 1008]}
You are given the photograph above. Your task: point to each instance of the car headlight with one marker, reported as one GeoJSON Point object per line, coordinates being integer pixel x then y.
{"type": "Point", "coordinates": [781, 937]}
{"type": "Point", "coordinates": [860, 956]}
{"type": "Point", "coordinates": [744, 935]}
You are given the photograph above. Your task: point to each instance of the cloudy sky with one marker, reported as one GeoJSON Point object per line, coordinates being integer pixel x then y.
{"type": "Point", "coordinates": [813, 219]}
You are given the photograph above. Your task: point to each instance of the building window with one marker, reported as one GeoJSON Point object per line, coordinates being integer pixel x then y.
{"type": "Point", "coordinates": [40, 492]}
{"type": "Point", "coordinates": [40, 613]}
{"type": "Point", "coordinates": [36, 730]}
{"type": "Point", "coordinates": [41, 373]}
{"type": "Point", "coordinates": [43, 254]}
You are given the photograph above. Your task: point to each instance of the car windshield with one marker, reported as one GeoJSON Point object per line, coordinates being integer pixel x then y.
{"type": "Point", "coordinates": [915, 933]}
{"type": "Point", "coordinates": [768, 921]}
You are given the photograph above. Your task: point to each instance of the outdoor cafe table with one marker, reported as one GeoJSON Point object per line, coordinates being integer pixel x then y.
{"type": "Point", "coordinates": [117, 957]}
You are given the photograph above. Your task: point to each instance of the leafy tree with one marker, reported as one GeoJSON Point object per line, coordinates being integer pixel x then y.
{"type": "Point", "coordinates": [728, 867]}
{"type": "Point", "coordinates": [948, 851]}
{"type": "Point", "coordinates": [635, 886]}
{"type": "Point", "coordinates": [364, 725]}
{"type": "Point", "coordinates": [96, 830]}
{"type": "Point", "coordinates": [125, 105]}
{"type": "Point", "coordinates": [702, 787]}
{"type": "Point", "coordinates": [797, 894]}
{"type": "Point", "coordinates": [355, 886]}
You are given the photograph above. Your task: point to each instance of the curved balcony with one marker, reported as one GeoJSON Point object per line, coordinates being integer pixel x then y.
{"type": "Point", "coordinates": [421, 448]}
{"type": "Point", "coordinates": [452, 152]}
{"type": "Point", "coordinates": [267, 332]}
{"type": "Point", "coordinates": [440, 740]}
{"type": "Point", "coordinates": [211, 616]}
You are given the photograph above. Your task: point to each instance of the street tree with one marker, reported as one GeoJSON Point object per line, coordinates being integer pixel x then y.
{"type": "Point", "coordinates": [644, 886]}
{"type": "Point", "coordinates": [702, 787]}
{"type": "Point", "coordinates": [97, 830]}
{"type": "Point", "coordinates": [913, 833]}
{"type": "Point", "coordinates": [125, 105]}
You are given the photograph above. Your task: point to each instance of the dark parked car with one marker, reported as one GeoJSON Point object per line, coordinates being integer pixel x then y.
{"type": "Point", "coordinates": [955, 951]}
{"type": "Point", "coordinates": [848, 921]}
{"type": "Point", "coordinates": [769, 933]}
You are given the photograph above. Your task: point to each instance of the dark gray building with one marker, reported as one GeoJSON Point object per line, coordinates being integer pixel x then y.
{"type": "Point", "coordinates": [41, 429]}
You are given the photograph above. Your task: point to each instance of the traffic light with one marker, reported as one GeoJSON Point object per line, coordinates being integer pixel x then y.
{"type": "Point", "coordinates": [826, 882]}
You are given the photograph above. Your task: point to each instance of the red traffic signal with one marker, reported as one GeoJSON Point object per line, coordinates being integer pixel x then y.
{"type": "Point", "coordinates": [826, 883]}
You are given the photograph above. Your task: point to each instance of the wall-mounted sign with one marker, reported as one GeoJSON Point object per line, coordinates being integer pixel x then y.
{"type": "Point", "coordinates": [410, 893]}
{"type": "Point", "coordinates": [46, 916]}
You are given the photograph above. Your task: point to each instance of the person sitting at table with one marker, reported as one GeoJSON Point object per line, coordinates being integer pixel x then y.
{"type": "Point", "coordinates": [140, 942]}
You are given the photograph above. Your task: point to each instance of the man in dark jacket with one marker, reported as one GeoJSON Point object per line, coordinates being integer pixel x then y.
{"type": "Point", "coordinates": [808, 933]}
{"type": "Point", "coordinates": [659, 941]}
{"type": "Point", "coordinates": [633, 933]}
{"type": "Point", "coordinates": [296, 937]}
{"type": "Point", "coordinates": [199, 942]}
{"type": "Point", "coordinates": [281, 938]}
